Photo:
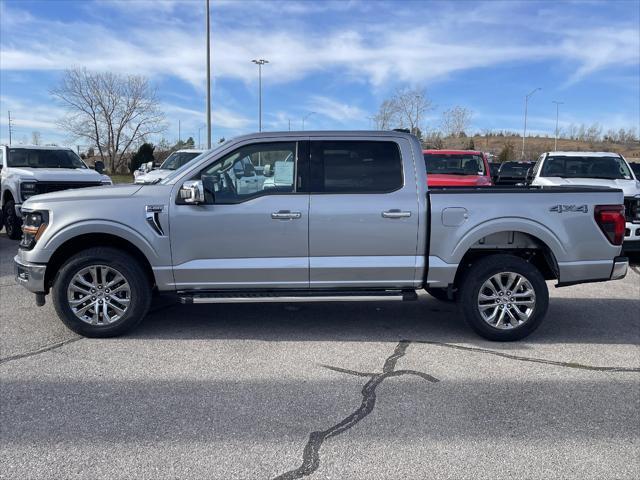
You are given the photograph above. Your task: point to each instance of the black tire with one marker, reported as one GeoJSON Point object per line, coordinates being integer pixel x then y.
{"type": "Point", "coordinates": [483, 270]}
{"type": "Point", "coordinates": [128, 267]}
{"type": "Point", "coordinates": [440, 294]}
{"type": "Point", "coordinates": [12, 222]}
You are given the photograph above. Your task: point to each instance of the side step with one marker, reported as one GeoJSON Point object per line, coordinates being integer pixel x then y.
{"type": "Point", "coordinates": [297, 296]}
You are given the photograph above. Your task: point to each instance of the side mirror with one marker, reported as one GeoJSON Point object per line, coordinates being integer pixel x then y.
{"type": "Point", "coordinates": [192, 192]}
{"type": "Point", "coordinates": [99, 166]}
{"type": "Point", "coordinates": [529, 177]}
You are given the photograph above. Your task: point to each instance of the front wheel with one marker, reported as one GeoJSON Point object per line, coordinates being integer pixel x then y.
{"type": "Point", "coordinates": [101, 292]}
{"type": "Point", "coordinates": [12, 222]}
{"type": "Point", "coordinates": [503, 297]}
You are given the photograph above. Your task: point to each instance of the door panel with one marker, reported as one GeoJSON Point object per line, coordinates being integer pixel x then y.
{"type": "Point", "coordinates": [241, 246]}
{"type": "Point", "coordinates": [362, 239]}
{"type": "Point", "coordinates": [249, 235]}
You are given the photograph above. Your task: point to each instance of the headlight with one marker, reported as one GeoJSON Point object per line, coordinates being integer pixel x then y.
{"type": "Point", "coordinates": [27, 189]}
{"type": "Point", "coordinates": [106, 180]}
{"type": "Point", "coordinates": [33, 226]}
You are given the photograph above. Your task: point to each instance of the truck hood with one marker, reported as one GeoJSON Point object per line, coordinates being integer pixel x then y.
{"type": "Point", "coordinates": [630, 187]}
{"type": "Point", "coordinates": [444, 180]}
{"type": "Point", "coordinates": [57, 174]}
{"type": "Point", "coordinates": [153, 175]}
{"type": "Point", "coordinates": [83, 195]}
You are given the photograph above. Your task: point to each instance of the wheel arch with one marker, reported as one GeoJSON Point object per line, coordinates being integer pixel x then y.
{"type": "Point", "coordinates": [88, 240]}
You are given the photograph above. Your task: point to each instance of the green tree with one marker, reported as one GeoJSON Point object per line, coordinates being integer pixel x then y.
{"type": "Point", "coordinates": [471, 145]}
{"type": "Point", "coordinates": [143, 155]}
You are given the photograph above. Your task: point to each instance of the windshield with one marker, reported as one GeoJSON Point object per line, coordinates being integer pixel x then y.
{"type": "Point", "coordinates": [454, 164]}
{"type": "Point", "coordinates": [178, 159]}
{"type": "Point", "coordinates": [609, 168]}
{"type": "Point", "coordinates": [43, 158]}
{"type": "Point", "coordinates": [515, 169]}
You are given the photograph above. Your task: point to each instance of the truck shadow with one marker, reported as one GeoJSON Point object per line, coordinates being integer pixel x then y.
{"type": "Point", "coordinates": [569, 320]}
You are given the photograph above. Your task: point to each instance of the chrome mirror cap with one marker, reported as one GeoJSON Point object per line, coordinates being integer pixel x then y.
{"type": "Point", "coordinates": [192, 192]}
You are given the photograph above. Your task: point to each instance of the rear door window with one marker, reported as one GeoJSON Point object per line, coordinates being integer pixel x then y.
{"type": "Point", "coordinates": [346, 166]}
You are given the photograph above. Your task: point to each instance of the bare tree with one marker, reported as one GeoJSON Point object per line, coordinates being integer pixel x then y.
{"type": "Point", "coordinates": [405, 109]}
{"type": "Point", "coordinates": [386, 116]}
{"type": "Point", "coordinates": [36, 138]}
{"type": "Point", "coordinates": [110, 111]}
{"type": "Point", "coordinates": [455, 121]}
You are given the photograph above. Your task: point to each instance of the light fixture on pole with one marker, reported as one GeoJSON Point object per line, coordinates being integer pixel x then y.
{"type": "Point", "coordinates": [305, 117]}
{"type": "Point", "coordinates": [526, 104]}
{"type": "Point", "coordinates": [557, 114]}
{"type": "Point", "coordinates": [208, 80]}
{"type": "Point", "coordinates": [260, 62]}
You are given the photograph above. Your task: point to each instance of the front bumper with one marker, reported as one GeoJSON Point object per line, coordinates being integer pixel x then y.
{"type": "Point", "coordinates": [30, 275]}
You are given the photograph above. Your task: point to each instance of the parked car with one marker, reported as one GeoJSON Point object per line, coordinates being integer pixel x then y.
{"type": "Point", "coordinates": [146, 174]}
{"type": "Point", "coordinates": [601, 169]}
{"type": "Point", "coordinates": [456, 168]}
{"type": "Point", "coordinates": [635, 168]}
{"type": "Point", "coordinates": [32, 170]}
{"type": "Point", "coordinates": [513, 173]}
{"type": "Point", "coordinates": [352, 221]}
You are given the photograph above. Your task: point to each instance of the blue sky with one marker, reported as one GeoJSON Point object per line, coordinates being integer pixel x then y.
{"type": "Point", "coordinates": [338, 59]}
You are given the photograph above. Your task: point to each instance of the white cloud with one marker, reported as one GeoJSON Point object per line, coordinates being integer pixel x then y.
{"type": "Point", "coordinates": [335, 110]}
{"type": "Point", "coordinates": [381, 54]}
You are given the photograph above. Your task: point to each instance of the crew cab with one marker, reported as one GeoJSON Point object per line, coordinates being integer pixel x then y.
{"type": "Point", "coordinates": [26, 171]}
{"type": "Point", "coordinates": [601, 169]}
{"type": "Point", "coordinates": [457, 168]}
{"type": "Point", "coordinates": [351, 220]}
{"type": "Point", "coordinates": [146, 173]}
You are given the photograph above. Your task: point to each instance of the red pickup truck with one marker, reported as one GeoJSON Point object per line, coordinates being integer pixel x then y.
{"type": "Point", "coordinates": [457, 168]}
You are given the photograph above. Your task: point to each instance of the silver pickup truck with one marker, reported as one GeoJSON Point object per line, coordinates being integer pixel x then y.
{"type": "Point", "coordinates": [347, 217]}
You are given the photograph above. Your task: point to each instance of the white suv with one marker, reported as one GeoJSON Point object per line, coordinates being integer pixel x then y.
{"type": "Point", "coordinates": [598, 169]}
{"type": "Point", "coordinates": [26, 171]}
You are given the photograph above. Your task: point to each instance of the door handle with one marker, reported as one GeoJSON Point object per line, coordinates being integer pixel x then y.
{"type": "Point", "coordinates": [395, 213]}
{"type": "Point", "coordinates": [285, 215]}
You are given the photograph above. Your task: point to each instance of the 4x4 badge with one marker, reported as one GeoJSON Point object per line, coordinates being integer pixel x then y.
{"type": "Point", "coordinates": [569, 208]}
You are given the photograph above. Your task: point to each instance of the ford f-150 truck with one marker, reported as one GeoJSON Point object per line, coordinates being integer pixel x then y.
{"type": "Point", "coordinates": [348, 218]}
{"type": "Point", "coordinates": [457, 168]}
{"type": "Point", "coordinates": [31, 170]}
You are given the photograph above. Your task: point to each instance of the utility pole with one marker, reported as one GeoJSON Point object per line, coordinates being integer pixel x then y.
{"type": "Point", "coordinates": [179, 132]}
{"type": "Point", "coordinates": [9, 127]}
{"type": "Point", "coordinates": [208, 80]}
{"type": "Point", "coordinates": [305, 117]}
{"type": "Point", "coordinates": [526, 104]}
{"type": "Point", "coordinates": [260, 62]}
{"type": "Point", "coordinates": [289, 124]}
{"type": "Point", "coordinates": [557, 114]}
{"type": "Point", "coordinates": [199, 130]}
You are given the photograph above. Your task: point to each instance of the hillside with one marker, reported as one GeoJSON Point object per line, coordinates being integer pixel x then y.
{"type": "Point", "coordinates": [534, 146]}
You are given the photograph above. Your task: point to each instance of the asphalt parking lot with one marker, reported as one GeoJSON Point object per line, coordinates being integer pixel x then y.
{"type": "Point", "coordinates": [332, 391]}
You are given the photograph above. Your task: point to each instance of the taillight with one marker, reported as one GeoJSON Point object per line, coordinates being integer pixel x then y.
{"type": "Point", "coordinates": [610, 219]}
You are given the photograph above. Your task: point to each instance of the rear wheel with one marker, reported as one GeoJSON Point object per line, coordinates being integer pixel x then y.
{"type": "Point", "coordinates": [503, 297]}
{"type": "Point", "coordinates": [101, 292]}
{"type": "Point", "coordinates": [12, 222]}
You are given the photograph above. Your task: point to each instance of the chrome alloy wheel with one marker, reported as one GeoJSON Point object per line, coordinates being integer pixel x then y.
{"type": "Point", "coordinates": [99, 295]}
{"type": "Point", "coordinates": [506, 300]}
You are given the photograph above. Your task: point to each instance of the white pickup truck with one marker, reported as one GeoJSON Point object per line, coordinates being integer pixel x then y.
{"type": "Point", "coordinates": [597, 169]}
{"type": "Point", "coordinates": [26, 171]}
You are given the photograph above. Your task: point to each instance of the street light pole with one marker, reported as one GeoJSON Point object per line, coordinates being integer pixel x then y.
{"type": "Point", "coordinates": [260, 62]}
{"type": "Point", "coordinates": [555, 148]}
{"type": "Point", "coordinates": [305, 117]}
{"type": "Point", "coordinates": [208, 80]}
{"type": "Point", "coordinates": [526, 104]}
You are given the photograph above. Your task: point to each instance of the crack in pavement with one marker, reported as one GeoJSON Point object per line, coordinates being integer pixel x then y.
{"type": "Point", "coordinates": [311, 453]}
{"type": "Point", "coordinates": [38, 351]}
{"type": "Point", "coordinates": [521, 358]}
